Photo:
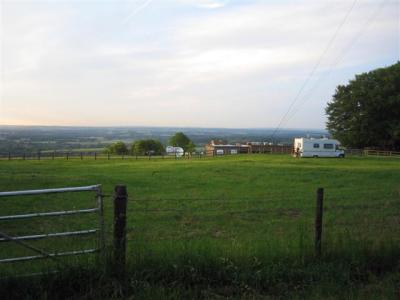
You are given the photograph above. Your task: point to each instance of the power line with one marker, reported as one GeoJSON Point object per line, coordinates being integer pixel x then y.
{"type": "Point", "coordinates": [339, 57]}
{"type": "Point", "coordinates": [136, 11]}
{"type": "Point", "coordinates": [314, 68]}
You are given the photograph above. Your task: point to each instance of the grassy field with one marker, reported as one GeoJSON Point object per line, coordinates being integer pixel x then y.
{"type": "Point", "coordinates": [238, 226]}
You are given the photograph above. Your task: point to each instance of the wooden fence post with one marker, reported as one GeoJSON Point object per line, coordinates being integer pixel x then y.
{"type": "Point", "coordinates": [38, 155]}
{"type": "Point", "coordinates": [9, 155]}
{"type": "Point", "coordinates": [53, 155]}
{"type": "Point", "coordinates": [108, 156]}
{"type": "Point", "coordinates": [95, 156]}
{"type": "Point", "coordinates": [120, 203]}
{"type": "Point", "coordinates": [81, 156]}
{"type": "Point", "coordinates": [318, 221]}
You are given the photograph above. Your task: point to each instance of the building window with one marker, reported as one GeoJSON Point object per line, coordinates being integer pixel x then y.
{"type": "Point", "coordinates": [328, 146]}
{"type": "Point", "coordinates": [316, 145]}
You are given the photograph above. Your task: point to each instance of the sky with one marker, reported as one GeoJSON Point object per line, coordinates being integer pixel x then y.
{"type": "Point", "coordinates": [187, 63]}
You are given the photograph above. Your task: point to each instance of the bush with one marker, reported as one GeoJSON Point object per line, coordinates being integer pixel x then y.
{"type": "Point", "coordinates": [119, 148]}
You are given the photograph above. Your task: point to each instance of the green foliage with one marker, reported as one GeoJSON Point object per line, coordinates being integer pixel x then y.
{"type": "Point", "coordinates": [366, 112]}
{"type": "Point", "coordinates": [145, 147]}
{"type": "Point", "coordinates": [181, 140]}
{"type": "Point", "coordinates": [118, 148]}
{"type": "Point", "coordinates": [191, 147]}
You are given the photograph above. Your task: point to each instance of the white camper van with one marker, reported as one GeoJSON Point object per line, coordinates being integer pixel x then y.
{"type": "Point", "coordinates": [175, 151]}
{"type": "Point", "coordinates": [310, 147]}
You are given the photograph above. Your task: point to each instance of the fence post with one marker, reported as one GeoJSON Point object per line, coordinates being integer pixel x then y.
{"type": "Point", "coordinates": [318, 221]}
{"type": "Point", "coordinates": [95, 156]}
{"type": "Point", "coordinates": [38, 155]}
{"type": "Point", "coordinates": [23, 157]}
{"type": "Point", "coordinates": [9, 155]}
{"type": "Point", "coordinates": [53, 156]}
{"type": "Point", "coordinates": [81, 156]}
{"type": "Point", "coordinates": [67, 155]}
{"type": "Point", "coordinates": [108, 155]}
{"type": "Point", "coordinates": [120, 203]}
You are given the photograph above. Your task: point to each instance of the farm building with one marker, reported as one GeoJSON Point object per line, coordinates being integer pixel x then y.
{"type": "Point", "coordinates": [264, 147]}
{"type": "Point", "coordinates": [219, 147]}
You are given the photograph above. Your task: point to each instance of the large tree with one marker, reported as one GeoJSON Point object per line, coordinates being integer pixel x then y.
{"type": "Point", "coordinates": [181, 140]}
{"type": "Point", "coordinates": [146, 147]}
{"type": "Point", "coordinates": [366, 111]}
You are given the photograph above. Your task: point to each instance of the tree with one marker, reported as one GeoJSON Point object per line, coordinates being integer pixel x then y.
{"type": "Point", "coordinates": [181, 140]}
{"type": "Point", "coordinates": [146, 147]}
{"type": "Point", "coordinates": [366, 112]}
{"type": "Point", "coordinates": [119, 148]}
{"type": "Point", "coordinates": [191, 147]}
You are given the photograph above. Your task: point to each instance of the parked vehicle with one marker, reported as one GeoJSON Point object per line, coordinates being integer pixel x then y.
{"type": "Point", "coordinates": [311, 147]}
{"type": "Point", "coordinates": [175, 151]}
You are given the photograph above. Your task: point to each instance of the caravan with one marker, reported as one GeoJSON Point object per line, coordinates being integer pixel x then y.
{"type": "Point", "coordinates": [175, 151]}
{"type": "Point", "coordinates": [310, 147]}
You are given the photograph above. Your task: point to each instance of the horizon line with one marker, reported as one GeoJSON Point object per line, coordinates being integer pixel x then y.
{"type": "Point", "coordinates": [155, 126]}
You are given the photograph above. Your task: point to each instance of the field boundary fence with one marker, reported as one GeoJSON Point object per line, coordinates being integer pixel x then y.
{"type": "Point", "coordinates": [40, 253]}
{"type": "Point", "coordinates": [92, 156]}
{"type": "Point", "coordinates": [96, 155]}
{"type": "Point", "coordinates": [381, 153]}
{"type": "Point", "coordinates": [354, 152]}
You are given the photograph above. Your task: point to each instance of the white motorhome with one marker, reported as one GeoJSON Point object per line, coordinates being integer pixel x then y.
{"type": "Point", "coordinates": [310, 147]}
{"type": "Point", "coordinates": [175, 151]}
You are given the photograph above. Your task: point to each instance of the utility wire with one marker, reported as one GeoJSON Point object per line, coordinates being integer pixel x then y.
{"type": "Point", "coordinates": [314, 68]}
{"type": "Point", "coordinates": [136, 11]}
{"type": "Point", "coordinates": [339, 58]}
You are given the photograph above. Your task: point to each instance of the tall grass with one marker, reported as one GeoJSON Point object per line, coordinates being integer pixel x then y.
{"type": "Point", "coordinates": [225, 227]}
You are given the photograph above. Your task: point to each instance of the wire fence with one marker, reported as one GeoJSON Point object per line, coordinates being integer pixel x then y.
{"type": "Point", "coordinates": [182, 215]}
{"type": "Point", "coordinates": [151, 222]}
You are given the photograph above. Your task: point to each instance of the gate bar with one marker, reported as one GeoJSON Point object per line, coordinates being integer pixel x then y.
{"type": "Point", "coordinates": [49, 191]}
{"type": "Point", "coordinates": [42, 236]}
{"type": "Point", "coordinates": [47, 214]}
{"type": "Point", "coordinates": [50, 255]}
{"type": "Point", "coordinates": [25, 245]}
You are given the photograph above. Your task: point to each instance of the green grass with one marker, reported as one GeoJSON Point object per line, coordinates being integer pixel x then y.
{"type": "Point", "coordinates": [228, 226]}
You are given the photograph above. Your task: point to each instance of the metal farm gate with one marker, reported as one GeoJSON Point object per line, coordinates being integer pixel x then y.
{"type": "Point", "coordinates": [41, 254]}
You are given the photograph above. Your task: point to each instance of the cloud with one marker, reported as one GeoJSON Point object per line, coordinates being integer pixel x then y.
{"type": "Point", "coordinates": [239, 66]}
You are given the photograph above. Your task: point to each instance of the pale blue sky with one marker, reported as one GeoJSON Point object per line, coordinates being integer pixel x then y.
{"type": "Point", "coordinates": [205, 63]}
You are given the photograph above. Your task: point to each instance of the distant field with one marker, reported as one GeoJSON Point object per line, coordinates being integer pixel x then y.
{"type": "Point", "coordinates": [247, 210]}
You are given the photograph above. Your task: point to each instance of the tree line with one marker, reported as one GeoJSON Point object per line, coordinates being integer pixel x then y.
{"type": "Point", "coordinates": [366, 112]}
{"type": "Point", "coordinates": [151, 146]}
